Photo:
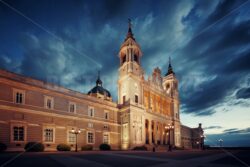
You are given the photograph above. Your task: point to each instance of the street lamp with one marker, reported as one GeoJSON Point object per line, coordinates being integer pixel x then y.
{"type": "Point", "coordinates": [76, 132]}
{"type": "Point", "coordinates": [168, 128]}
{"type": "Point", "coordinates": [220, 141]}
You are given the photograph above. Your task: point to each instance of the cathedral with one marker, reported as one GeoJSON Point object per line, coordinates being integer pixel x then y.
{"type": "Point", "coordinates": [146, 113]}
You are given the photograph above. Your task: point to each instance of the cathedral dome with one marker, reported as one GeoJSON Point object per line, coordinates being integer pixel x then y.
{"type": "Point", "coordinates": [99, 91]}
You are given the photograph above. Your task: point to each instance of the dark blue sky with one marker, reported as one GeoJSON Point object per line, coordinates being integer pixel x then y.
{"type": "Point", "coordinates": [67, 42]}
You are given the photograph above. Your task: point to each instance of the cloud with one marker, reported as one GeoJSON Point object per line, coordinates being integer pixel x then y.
{"type": "Point", "coordinates": [243, 93]}
{"type": "Point", "coordinates": [215, 58]}
{"type": "Point", "coordinates": [237, 131]}
{"type": "Point", "coordinates": [210, 63]}
{"type": "Point", "coordinates": [212, 127]}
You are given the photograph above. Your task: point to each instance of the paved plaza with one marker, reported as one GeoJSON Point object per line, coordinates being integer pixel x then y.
{"type": "Point", "coordinates": [127, 159]}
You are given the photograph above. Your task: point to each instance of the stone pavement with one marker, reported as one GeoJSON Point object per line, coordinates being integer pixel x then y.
{"type": "Point", "coordinates": [128, 159]}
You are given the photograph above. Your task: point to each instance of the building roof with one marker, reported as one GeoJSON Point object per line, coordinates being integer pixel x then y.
{"type": "Point", "coordinates": [130, 33]}
{"type": "Point", "coordinates": [170, 69]}
{"type": "Point", "coordinates": [98, 88]}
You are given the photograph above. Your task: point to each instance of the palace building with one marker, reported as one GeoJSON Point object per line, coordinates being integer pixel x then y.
{"type": "Point", "coordinates": [146, 113]}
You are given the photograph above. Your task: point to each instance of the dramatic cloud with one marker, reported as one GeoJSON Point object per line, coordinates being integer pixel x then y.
{"type": "Point", "coordinates": [237, 131]}
{"type": "Point", "coordinates": [70, 41]}
{"type": "Point", "coordinates": [243, 93]}
{"type": "Point", "coordinates": [212, 127]}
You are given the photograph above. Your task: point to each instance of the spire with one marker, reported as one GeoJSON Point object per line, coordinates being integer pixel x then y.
{"type": "Point", "coordinates": [170, 69]}
{"type": "Point", "coordinates": [98, 81]}
{"type": "Point", "coordinates": [130, 33]}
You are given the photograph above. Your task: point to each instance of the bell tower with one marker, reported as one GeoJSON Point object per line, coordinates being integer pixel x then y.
{"type": "Point", "coordinates": [170, 83]}
{"type": "Point", "coordinates": [130, 70]}
{"type": "Point", "coordinates": [170, 86]}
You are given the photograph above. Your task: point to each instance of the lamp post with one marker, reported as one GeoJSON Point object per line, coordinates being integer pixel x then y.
{"type": "Point", "coordinates": [220, 141]}
{"type": "Point", "coordinates": [202, 137]}
{"type": "Point", "coordinates": [76, 132]}
{"type": "Point", "coordinates": [168, 128]}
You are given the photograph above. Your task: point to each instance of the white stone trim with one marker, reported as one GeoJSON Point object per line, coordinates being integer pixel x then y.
{"type": "Point", "coordinates": [15, 90]}
{"type": "Point", "coordinates": [19, 124]}
{"type": "Point", "coordinates": [54, 133]}
{"type": "Point", "coordinates": [45, 102]}
{"type": "Point", "coordinates": [72, 103]}
{"type": "Point", "coordinates": [87, 141]}
{"type": "Point", "coordinates": [89, 111]}
{"type": "Point", "coordinates": [108, 137]}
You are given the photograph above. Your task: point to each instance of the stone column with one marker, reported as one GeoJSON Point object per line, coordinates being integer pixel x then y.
{"type": "Point", "coordinates": [155, 132]}
{"type": "Point", "coordinates": [162, 136]}
{"type": "Point", "coordinates": [149, 132]}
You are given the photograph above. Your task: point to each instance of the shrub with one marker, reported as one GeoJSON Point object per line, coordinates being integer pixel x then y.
{"type": "Point", "coordinates": [87, 148]}
{"type": "Point", "coordinates": [105, 147]}
{"type": "Point", "coordinates": [34, 147]}
{"type": "Point", "coordinates": [3, 147]}
{"type": "Point", "coordinates": [140, 148]}
{"type": "Point", "coordinates": [63, 147]}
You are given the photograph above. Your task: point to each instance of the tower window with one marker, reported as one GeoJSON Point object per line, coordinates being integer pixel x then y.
{"type": "Point", "coordinates": [123, 99]}
{"type": "Point", "coordinates": [124, 59]}
{"type": "Point", "coordinates": [136, 99]}
{"type": "Point", "coordinates": [136, 58]}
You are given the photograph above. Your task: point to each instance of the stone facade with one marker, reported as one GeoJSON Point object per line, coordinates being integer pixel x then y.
{"type": "Point", "coordinates": [33, 110]}
{"type": "Point", "coordinates": [33, 116]}
{"type": "Point", "coordinates": [192, 137]}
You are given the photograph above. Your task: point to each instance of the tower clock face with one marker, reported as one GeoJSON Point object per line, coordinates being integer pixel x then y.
{"type": "Point", "coordinates": [168, 88]}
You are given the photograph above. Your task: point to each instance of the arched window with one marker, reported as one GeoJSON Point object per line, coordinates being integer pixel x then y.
{"type": "Point", "coordinates": [136, 58]}
{"type": "Point", "coordinates": [124, 59]}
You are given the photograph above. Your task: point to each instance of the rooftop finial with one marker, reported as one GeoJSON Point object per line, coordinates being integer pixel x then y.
{"type": "Point", "coordinates": [129, 34]}
{"type": "Point", "coordinates": [98, 81]}
{"type": "Point", "coordinates": [129, 23]}
{"type": "Point", "coordinates": [170, 69]}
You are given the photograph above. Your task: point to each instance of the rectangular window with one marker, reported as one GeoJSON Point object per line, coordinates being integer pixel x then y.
{"type": "Point", "coordinates": [123, 99]}
{"type": "Point", "coordinates": [49, 102]}
{"type": "Point", "coordinates": [18, 133]}
{"type": "Point", "coordinates": [91, 112]}
{"type": "Point", "coordinates": [49, 135]}
{"type": "Point", "coordinates": [106, 115]}
{"type": "Point", "coordinates": [90, 137]}
{"type": "Point", "coordinates": [19, 96]}
{"type": "Point", "coordinates": [106, 138]}
{"type": "Point", "coordinates": [72, 107]}
{"type": "Point", "coordinates": [71, 137]}
{"type": "Point", "coordinates": [105, 127]}
{"type": "Point", "coordinates": [136, 99]}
